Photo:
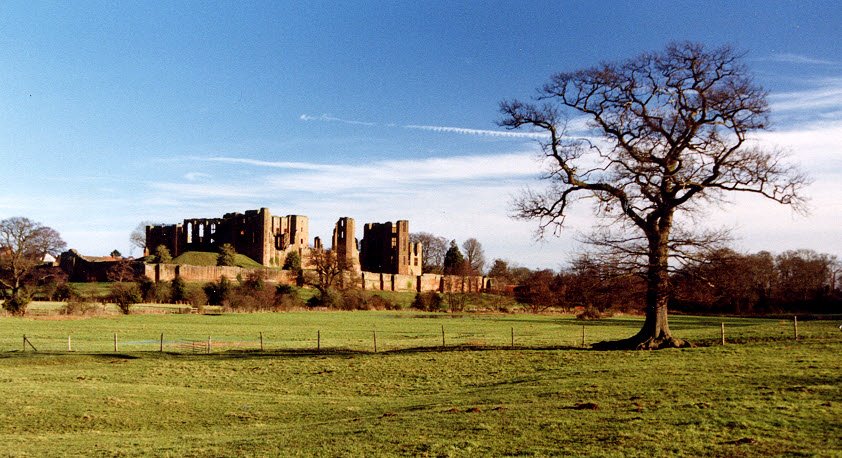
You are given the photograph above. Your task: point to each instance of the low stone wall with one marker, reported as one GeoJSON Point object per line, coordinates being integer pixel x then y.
{"type": "Point", "coordinates": [458, 284]}
{"type": "Point", "coordinates": [428, 282]}
{"type": "Point", "coordinates": [372, 281]}
{"type": "Point", "coordinates": [404, 282]}
{"type": "Point", "coordinates": [167, 272]}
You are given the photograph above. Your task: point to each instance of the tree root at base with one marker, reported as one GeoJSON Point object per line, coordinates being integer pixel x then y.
{"type": "Point", "coordinates": [637, 343]}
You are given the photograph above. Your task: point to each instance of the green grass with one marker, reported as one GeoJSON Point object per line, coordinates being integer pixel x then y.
{"type": "Point", "coordinates": [202, 258]}
{"type": "Point", "coordinates": [767, 396]}
{"type": "Point", "coordinates": [92, 289]}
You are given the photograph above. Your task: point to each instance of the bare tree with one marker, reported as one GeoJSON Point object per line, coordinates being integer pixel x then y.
{"type": "Point", "coordinates": [23, 245]}
{"type": "Point", "coordinates": [474, 255]}
{"type": "Point", "coordinates": [137, 238]}
{"type": "Point", "coordinates": [434, 248]}
{"type": "Point", "coordinates": [327, 268]}
{"type": "Point", "coordinates": [669, 131]}
{"type": "Point", "coordinates": [122, 271]}
{"type": "Point", "coordinates": [803, 275]}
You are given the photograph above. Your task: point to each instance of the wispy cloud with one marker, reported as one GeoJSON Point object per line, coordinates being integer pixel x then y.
{"type": "Point", "coordinates": [825, 93]}
{"type": "Point", "coordinates": [196, 176]}
{"type": "Point", "coordinates": [480, 132]}
{"type": "Point", "coordinates": [271, 164]}
{"type": "Point", "coordinates": [327, 118]}
{"type": "Point", "coordinates": [394, 177]}
{"type": "Point", "coordinates": [789, 58]}
{"type": "Point", "coordinates": [439, 129]}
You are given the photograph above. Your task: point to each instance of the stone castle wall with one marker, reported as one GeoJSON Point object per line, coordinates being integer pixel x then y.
{"type": "Point", "coordinates": [167, 272]}
{"type": "Point", "coordinates": [375, 281]}
{"type": "Point", "coordinates": [369, 281]}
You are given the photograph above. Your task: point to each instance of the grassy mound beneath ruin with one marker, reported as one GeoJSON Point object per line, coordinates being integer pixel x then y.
{"type": "Point", "coordinates": [203, 258]}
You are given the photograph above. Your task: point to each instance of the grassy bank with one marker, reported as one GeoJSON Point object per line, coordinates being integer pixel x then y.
{"type": "Point", "coordinates": [767, 396]}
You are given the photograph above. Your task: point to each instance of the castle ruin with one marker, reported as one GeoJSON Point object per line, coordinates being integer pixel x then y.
{"type": "Point", "coordinates": [257, 234]}
{"type": "Point", "coordinates": [385, 247]}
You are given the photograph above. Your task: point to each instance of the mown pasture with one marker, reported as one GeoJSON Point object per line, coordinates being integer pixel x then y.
{"type": "Point", "coordinates": [762, 394]}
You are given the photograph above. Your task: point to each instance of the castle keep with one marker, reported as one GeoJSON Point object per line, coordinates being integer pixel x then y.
{"type": "Point", "coordinates": [257, 234]}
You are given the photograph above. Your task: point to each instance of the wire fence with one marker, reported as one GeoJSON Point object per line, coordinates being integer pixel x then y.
{"type": "Point", "coordinates": [379, 340]}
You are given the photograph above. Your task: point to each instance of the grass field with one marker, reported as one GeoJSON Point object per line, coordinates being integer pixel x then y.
{"type": "Point", "coordinates": [203, 258]}
{"type": "Point", "coordinates": [766, 395]}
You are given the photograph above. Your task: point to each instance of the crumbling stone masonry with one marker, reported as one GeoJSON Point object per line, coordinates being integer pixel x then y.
{"type": "Point", "coordinates": [386, 248]}
{"type": "Point", "coordinates": [257, 234]}
{"type": "Point", "coordinates": [345, 244]}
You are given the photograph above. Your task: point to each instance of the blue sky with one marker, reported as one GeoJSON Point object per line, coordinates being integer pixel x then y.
{"type": "Point", "coordinates": [117, 112]}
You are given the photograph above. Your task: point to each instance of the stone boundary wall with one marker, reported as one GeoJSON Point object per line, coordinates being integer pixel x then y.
{"type": "Point", "coordinates": [167, 272]}
{"type": "Point", "coordinates": [374, 281]}
{"type": "Point", "coordinates": [370, 281]}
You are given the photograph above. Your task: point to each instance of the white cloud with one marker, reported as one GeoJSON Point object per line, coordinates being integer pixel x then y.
{"type": "Point", "coordinates": [326, 118]}
{"type": "Point", "coordinates": [196, 176]}
{"type": "Point", "coordinates": [480, 132]}
{"type": "Point", "coordinates": [829, 96]}
{"type": "Point", "coordinates": [393, 175]}
{"type": "Point", "coordinates": [815, 146]}
{"type": "Point", "coordinates": [798, 59]}
{"type": "Point", "coordinates": [438, 129]}
{"type": "Point", "coordinates": [272, 164]}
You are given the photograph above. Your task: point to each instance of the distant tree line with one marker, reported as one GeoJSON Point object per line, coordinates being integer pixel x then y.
{"type": "Point", "coordinates": [722, 281]}
{"type": "Point", "coordinates": [730, 282]}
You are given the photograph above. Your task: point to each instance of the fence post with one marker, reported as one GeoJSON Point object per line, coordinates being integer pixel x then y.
{"type": "Point", "coordinates": [318, 340]}
{"type": "Point", "coordinates": [442, 336]}
{"type": "Point", "coordinates": [26, 341]}
{"type": "Point", "coordinates": [209, 344]}
{"type": "Point", "coordinates": [115, 342]}
{"type": "Point", "coordinates": [374, 332]}
{"type": "Point", "coordinates": [513, 337]}
{"type": "Point", "coordinates": [583, 335]}
{"type": "Point", "coordinates": [722, 331]}
{"type": "Point", "coordinates": [261, 341]}
{"type": "Point", "coordinates": [795, 326]}
{"type": "Point", "coordinates": [162, 342]}
{"type": "Point", "coordinates": [69, 348]}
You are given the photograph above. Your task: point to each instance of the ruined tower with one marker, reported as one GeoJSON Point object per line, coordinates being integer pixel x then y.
{"type": "Point", "coordinates": [386, 248]}
{"type": "Point", "coordinates": [344, 243]}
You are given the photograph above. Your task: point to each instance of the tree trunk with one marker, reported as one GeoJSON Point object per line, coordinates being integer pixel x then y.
{"type": "Point", "coordinates": [655, 332]}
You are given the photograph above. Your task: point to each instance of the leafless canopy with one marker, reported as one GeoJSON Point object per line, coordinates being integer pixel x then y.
{"type": "Point", "coordinates": [474, 255]}
{"type": "Point", "coordinates": [23, 245]}
{"type": "Point", "coordinates": [137, 238]}
{"type": "Point", "coordinates": [327, 268]}
{"type": "Point", "coordinates": [434, 247]}
{"type": "Point", "coordinates": [667, 127]}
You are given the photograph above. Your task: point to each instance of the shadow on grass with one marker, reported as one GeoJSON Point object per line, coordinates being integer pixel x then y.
{"type": "Point", "coordinates": [290, 353]}
{"type": "Point", "coordinates": [349, 353]}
